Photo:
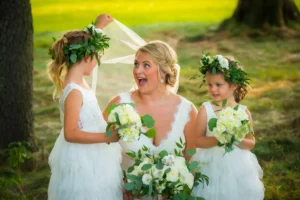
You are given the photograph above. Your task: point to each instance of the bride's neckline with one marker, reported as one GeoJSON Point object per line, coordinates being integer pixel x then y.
{"type": "Point", "coordinates": [172, 124]}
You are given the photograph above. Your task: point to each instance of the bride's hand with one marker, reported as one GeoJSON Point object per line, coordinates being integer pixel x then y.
{"type": "Point", "coordinates": [103, 20]}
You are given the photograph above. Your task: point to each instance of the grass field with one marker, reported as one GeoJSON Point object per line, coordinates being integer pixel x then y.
{"type": "Point", "coordinates": [273, 64]}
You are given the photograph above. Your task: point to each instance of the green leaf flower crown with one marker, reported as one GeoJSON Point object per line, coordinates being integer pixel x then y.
{"type": "Point", "coordinates": [219, 63]}
{"type": "Point", "coordinates": [91, 47]}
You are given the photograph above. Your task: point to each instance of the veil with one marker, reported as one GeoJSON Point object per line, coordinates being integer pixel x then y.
{"type": "Point", "coordinates": [114, 76]}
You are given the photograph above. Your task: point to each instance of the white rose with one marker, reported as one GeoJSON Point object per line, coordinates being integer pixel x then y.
{"type": "Point", "coordinates": [180, 161]}
{"type": "Point", "coordinates": [172, 176]}
{"type": "Point", "coordinates": [189, 180]}
{"type": "Point", "coordinates": [223, 61]}
{"type": "Point", "coordinates": [147, 178]}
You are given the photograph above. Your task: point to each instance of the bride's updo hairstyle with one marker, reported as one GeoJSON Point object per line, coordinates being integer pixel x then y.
{"type": "Point", "coordinates": [165, 57]}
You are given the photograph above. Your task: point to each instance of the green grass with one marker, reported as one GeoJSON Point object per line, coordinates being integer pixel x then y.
{"type": "Point", "coordinates": [58, 15]}
{"type": "Point", "coordinates": [273, 64]}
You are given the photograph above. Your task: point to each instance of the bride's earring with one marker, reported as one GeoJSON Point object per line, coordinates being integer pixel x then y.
{"type": "Point", "coordinates": [162, 80]}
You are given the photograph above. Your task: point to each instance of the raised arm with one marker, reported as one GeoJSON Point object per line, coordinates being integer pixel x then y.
{"type": "Point", "coordinates": [72, 134]}
{"type": "Point", "coordinates": [203, 141]}
{"type": "Point", "coordinates": [103, 20]}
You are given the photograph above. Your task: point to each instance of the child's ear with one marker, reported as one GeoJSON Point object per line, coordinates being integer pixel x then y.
{"type": "Point", "coordinates": [234, 86]}
{"type": "Point", "coordinates": [87, 59]}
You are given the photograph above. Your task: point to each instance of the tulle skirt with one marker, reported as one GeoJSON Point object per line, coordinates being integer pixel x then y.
{"type": "Point", "coordinates": [85, 171]}
{"type": "Point", "coordinates": [233, 176]}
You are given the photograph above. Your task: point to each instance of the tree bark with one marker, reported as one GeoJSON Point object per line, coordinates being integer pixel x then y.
{"type": "Point", "coordinates": [262, 14]}
{"type": "Point", "coordinates": [16, 61]}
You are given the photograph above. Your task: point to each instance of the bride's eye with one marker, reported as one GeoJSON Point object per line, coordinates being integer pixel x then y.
{"type": "Point", "coordinates": [147, 66]}
{"type": "Point", "coordinates": [136, 65]}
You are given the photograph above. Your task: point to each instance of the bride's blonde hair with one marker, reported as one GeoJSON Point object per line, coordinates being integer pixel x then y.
{"type": "Point", "coordinates": [165, 57]}
{"type": "Point", "coordinates": [57, 67]}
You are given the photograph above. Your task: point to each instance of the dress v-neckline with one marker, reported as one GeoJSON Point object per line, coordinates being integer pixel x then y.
{"type": "Point", "coordinates": [172, 124]}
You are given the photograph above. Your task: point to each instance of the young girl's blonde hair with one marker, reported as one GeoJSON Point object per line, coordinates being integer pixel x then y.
{"type": "Point", "coordinates": [57, 67]}
{"type": "Point", "coordinates": [165, 57]}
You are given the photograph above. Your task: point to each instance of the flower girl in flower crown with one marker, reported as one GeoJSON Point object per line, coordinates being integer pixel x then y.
{"type": "Point", "coordinates": [234, 175]}
{"type": "Point", "coordinates": [83, 166]}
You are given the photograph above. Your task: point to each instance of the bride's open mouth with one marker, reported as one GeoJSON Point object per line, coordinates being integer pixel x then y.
{"type": "Point", "coordinates": [142, 81]}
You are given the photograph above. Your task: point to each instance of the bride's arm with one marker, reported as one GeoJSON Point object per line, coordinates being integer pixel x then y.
{"type": "Point", "coordinates": [203, 141]}
{"type": "Point", "coordinates": [189, 132]}
{"type": "Point", "coordinates": [115, 100]}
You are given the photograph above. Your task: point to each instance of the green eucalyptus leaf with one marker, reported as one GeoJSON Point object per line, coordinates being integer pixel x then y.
{"type": "Point", "coordinates": [150, 133]}
{"type": "Point", "coordinates": [129, 186]}
{"type": "Point", "coordinates": [146, 166]}
{"type": "Point", "coordinates": [73, 58]}
{"type": "Point", "coordinates": [163, 153]}
{"type": "Point", "coordinates": [212, 123]}
{"type": "Point", "coordinates": [224, 102]}
{"type": "Point", "coordinates": [148, 121]}
{"type": "Point", "coordinates": [191, 152]}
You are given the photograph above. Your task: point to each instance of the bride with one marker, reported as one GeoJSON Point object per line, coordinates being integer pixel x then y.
{"type": "Point", "coordinates": [156, 73]}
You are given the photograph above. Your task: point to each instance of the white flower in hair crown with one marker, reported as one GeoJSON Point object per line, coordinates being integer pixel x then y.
{"type": "Point", "coordinates": [219, 63]}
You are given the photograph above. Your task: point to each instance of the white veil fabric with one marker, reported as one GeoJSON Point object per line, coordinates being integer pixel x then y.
{"type": "Point", "coordinates": [115, 73]}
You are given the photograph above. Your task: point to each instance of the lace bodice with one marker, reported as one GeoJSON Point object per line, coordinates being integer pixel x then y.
{"type": "Point", "coordinates": [181, 117]}
{"type": "Point", "coordinates": [211, 114]}
{"type": "Point", "coordinates": [90, 118]}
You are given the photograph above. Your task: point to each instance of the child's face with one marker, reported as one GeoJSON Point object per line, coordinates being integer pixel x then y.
{"type": "Point", "coordinates": [90, 65]}
{"type": "Point", "coordinates": [218, 88]}
{"type": "Point", "coordinates": [145, 72]}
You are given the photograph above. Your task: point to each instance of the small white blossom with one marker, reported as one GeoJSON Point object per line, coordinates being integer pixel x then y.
{"type": "Point", "coordinates": [223, 61]}
{"type": "Point", "coordinates": [98, 30]}
{"type": "Point", "coordinates": [147, 178]}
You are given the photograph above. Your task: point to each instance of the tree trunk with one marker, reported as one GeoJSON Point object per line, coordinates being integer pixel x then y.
{"type": "Point", "coordinates": [265, 13]}
{"type": "Point", "coordinates": [16, 61]}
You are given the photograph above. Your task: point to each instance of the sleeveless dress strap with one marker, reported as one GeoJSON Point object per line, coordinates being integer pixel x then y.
{"type": "Point", "coordinates": [66, 91]}
{"type": "Point", "coordinates": [243, 107]}
{"type": "Point", "coordinates": [182, 117]}
{"type": "Point", "coordinates": [209, 110]}
{"type": "Point", "coordinates": [125, 97]}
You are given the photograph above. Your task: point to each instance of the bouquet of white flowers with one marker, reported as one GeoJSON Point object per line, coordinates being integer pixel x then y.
{"type": "Point", "coordinates": [165, 175]}
{"type": "Point", "coordinates": [231, 126]}
{"type": "Point", "coordinates": [128, 123]}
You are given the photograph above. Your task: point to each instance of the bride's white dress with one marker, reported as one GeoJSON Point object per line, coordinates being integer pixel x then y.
{"type": "Point", "coordinates": [85, 171]}
{"type": "Point", "coordinates": [181, 118]}
{"type": "Point", "coordinates": [233, 176]}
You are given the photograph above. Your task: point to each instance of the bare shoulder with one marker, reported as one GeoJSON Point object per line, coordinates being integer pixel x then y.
{"type": "Point", "coordinates": [115, 100]}
{"type": "Point", "coordinates": [74, 95]}
{"type": "Point", "coordinates": [187, 101]}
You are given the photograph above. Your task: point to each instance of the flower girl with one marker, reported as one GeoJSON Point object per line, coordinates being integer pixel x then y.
{"type": "Point", "coordinates": [83, 166]}
{"type": "Point", "coordinates": [233, 171]}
